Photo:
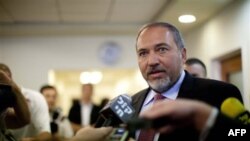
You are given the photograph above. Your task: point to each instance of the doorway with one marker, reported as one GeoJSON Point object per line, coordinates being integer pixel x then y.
{"type": "Point", "coordinates": [231, 69]}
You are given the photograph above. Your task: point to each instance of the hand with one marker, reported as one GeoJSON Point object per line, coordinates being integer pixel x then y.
{"type": "Point", "coordinates": [180, 113]}
{"type": "Point", "coordinates": [27, 139]}
{"type": "Point", "coordinates": [20, 115]}
{"type": "Point", "coordinates": [92, 134]}
{"type": "Point", "coordinates": [4, 79]}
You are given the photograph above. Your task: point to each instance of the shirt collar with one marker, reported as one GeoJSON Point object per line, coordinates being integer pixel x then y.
{"type": "Point", "coordinates": [85, 104]}
{"type": "Point", "coordinates": [171, 94]}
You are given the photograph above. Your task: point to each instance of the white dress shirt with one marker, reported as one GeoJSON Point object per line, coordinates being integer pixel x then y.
{"type": "Point", "coordinates": [86, 113]}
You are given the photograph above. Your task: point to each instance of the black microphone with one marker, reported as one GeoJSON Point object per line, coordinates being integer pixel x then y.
{"type": "Point", "coordinates": [116, 112]}
{"type": "Point", "coordinates": [53, 127]}
{"type": "Point", "coordinates": [54, 123]}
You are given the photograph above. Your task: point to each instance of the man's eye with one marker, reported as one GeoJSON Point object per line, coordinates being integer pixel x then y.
{"type": "Point", "coordinates": [142, 54]}
{"type": "Point", "coordinates": [162, 50]}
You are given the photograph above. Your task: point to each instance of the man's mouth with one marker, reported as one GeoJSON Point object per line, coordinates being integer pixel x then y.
{"type": "Point", "coordinates": [157, 73]}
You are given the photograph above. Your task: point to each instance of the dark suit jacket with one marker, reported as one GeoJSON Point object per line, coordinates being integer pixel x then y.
{"type": "Point", "coordinates": [75, 113]}
{"type": "Point", "coordinates": [209, 91]}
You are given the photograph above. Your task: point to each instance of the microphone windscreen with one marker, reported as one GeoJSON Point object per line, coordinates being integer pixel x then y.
{"type": "Point", "coordinates": [118, 111]}
{"type": "Point", "coordinates": [232, 107]}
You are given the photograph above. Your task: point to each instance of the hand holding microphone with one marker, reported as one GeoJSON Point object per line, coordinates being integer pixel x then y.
{"type": "Point", "coordinates": [116, 113]}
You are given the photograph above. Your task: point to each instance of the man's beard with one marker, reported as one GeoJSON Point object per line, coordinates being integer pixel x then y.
{"type": "Point", "coordinates": [161, 84]}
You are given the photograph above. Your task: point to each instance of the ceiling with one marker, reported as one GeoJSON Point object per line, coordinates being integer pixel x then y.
{"type": "Point", "coordinates": [95, 17]}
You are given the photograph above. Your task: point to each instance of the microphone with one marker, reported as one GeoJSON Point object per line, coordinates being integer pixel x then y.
{"type": "Point", "coordinates": [233, 108]}
{"type": "Point", "coordinates": [55, 118]}
{"type": "Point", "coordinates": [117, 111]}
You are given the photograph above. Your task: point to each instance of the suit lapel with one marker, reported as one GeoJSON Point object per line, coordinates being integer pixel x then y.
{"type": "Point", "coordinates": [186, 87]}
{"type": "Point", "coordinates": [137, 102]}
{"type": "Point", "coordinates": [138, 99]}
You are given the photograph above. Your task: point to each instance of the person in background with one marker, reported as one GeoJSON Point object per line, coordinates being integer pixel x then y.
{"type": "Point", "coordinates": [39, 126]}
{"type": "Point", "coordinates": [196, 67]}
{"type": "Point", "coordinates": [84, 112]}
{"type": "Point", "coordinates": [14, 112]}
{"type": "Point", "coordinates": [60, 126]}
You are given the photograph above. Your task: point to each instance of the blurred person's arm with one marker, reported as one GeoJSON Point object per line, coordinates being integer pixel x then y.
{"type": "Point", "coordinates": [43, 136]}
{"type": "Point", "coordinates": [208, 122]}
{"type": "Point", "coordinates": [180, 113]}
{"type": "Point", "coordinates": [19, 115]}
{"type": "Point", "coordinates": [75, 126]}
{"type": "Point", "coordinates": [92, 134]}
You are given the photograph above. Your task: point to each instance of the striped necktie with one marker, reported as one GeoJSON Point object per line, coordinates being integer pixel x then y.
{"type": "Point", "coordinates": [148, 135]}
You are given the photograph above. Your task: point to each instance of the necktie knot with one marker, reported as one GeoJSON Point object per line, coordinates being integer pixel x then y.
{"type": "Point", "coordinates": [158, 97]}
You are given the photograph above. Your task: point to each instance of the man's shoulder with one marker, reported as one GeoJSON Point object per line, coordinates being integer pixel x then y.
{"type": "Point", "coordinates": [211, 83]}
{"type": "Point", "coordinates": [96, 107]}
{"type": "Point", "coordinates": [34, 97]}
{"type": "Point", "coordinates": [30, 92]}
{"type": "Point", "coordinates": [204, 82]}
{"type": "Point", "coordinates": [216, 88]}
{"type": "Point", "coordinates": [75, 107]}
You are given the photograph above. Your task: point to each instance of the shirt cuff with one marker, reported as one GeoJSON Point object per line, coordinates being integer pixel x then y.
{"type": "Point", "coordinates": [209, 124]}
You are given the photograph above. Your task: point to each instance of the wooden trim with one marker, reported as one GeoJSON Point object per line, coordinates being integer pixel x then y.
{"type": "Point", "coordinates": [230, 65]}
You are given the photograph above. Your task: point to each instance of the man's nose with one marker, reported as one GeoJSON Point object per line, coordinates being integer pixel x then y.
{"type": "Point", "coordinates": [153, 59]}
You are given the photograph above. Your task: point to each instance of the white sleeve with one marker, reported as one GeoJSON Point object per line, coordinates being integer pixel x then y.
{"type": "Point", "coordinates": [65, 128]}
{"type": "Point", "coordinates": [40, 117]}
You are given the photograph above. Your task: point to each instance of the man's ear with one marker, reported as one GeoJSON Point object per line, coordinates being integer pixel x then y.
{"type": "Point", "coordinates": [184, 55]}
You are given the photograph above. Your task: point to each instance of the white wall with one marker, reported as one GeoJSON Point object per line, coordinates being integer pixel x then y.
{"type": "Point", "coordinates": [30, 58]}
{"type": "Point", "coordinates": [225, 33]}
{"type": "Point", "coordinates": [1, 52]}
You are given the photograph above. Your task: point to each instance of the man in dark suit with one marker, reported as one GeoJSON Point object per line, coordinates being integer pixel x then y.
{"type": "Point", "coordinates": [161, 56]}
{"type": "Point", "coordinates": [84, 112]}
